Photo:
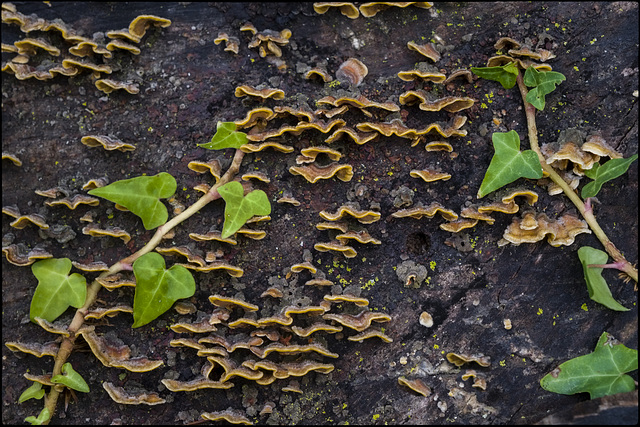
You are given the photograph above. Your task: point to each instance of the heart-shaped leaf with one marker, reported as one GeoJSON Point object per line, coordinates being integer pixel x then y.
{"type": "Point", "coordinates": [505, 74]}
{"type": "Point", "coordinates": [71, 379]}
{"type": "Point", "coordinates": [543, 83]}
{"type": "Point", "coordinates": [596, 285]}
{"type": "Point", "coordinates": [33, 392]}
{"type": "Point", "coordinates": [225, 137]}
{"type": "Point", "coordinates": [601, 174]}
{"type": "Point", "coordinates": [57, 290]}
{"type": "Point", "coordinates": [141, 196]}
{"type": "Point", "coordinates": [600, 373]}
{"type": "Point", "coordinates": [43, 417]}
{"type": "Point", "coordinates": [508, 163]}
{"type": "Point", "coordinates": [240, 208]}
{"type": "Point", "coordinates": [157, 288]}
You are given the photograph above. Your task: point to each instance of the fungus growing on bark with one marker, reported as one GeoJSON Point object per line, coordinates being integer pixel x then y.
{"type": "Point", "coordinates": [262, 352]}
{"type": "Point", "coordinates": [120, 395]}
{"type": "Point", "coordinates": [91, 266]}
{"type": "Point", "coordinates": [338, 225]}
{"type": "Point", "coordinates": [272, 292]}
{"type": "Point", "coordinates": [372, 8]}
{"type": "Point", "coordinates": [358, 137]}
{"type": "Point", "coordinates": [597, 145]}
{"type": "Point", "coordinates": [266, 93]}
{"type": "Point", "coordinates": [21, 221]}
{"type": "Point", "coordinates": [359, 101]}
{"type": "Point", "coordinates": [16, 161]}
{"type": "Point", "coordinates": [229, 415]}
{"type": "Point", "coordinates": [416, 385]}
{"type": "Point", "coordinates": [427, 49]}
{"type": "Point", "coordinates": [347, 9]}
{"type": "Point", "coordinates": [230, 302]}
{"type": "Point", "coordinates": [561, 231]}
{"type": "Point", "coordinates": [353, 71]}
{"type": "Point", "coordinates": [312, 152]}
{"type": "Point", "coordinates": [359, 301]}
{"type": "Point", "coordinates": [123, 45]}
{"type": "Point", "coordinates": [471, 212]}
{"type": "Point", "coordinates": [109, 85]}
{"type": "Point", "coordinates": [424, 72]}
{"type": "Point", "coordinates": [29, 47]}
{"type": "Point", "coordinates": [452, 104]}
{"type": "Point", "coordinates": [115, 355]}
{"type": "Point", "coordinates": [74, 201]}
{"type": "Point", "coordinates": [313, 173]}
{"type": "Point", "coordinates": [461, 359]}
{"type": "Point", "coordinates": [99, 313]}
{"type": "Point", "coordinates": [88, 48]}
{"type": "Point", "coordinates": [84, 65]}
{"type": "Point", "coordinates": [419, 211]}
{"type": "Point", "coordinates": [259, 176]}
{"type": "Point", "coordinates": [184, 251]}
{"type": "Point", "coordinates": [370, 333]}
{"type": "Point", "coordinates": [459, 225]}
{"type": "Point", "coordinates": [358, 322]}
{"type": "Point", "coordinates": [138, 27]}
{"type": "Point", "coordinates": [35, 349]}
{"type": "Point", "coordinates": [115, 281]}
{"type": "Point", "coordinates": [465, 74]}
{"type": "Point", "coordinates": [306, 265]}
{"type": "Point", "coordinates": [212, 235]}
{"type": "Point", "coordinates": [361, 236]}
{"type": "Point", "coordinates": [257, 116]}
{"type": "Point", "coordinates": [232, 44]}
{"type": "Point", "coordinates": [197, 383]}
{"type": "Point", "coordinates": [107, 142]}
{"type": "Point", "coordinates": [430, 175]}
{"type": "Point", "coordinates": [288, 198]}
{"type": "Point", "coordinates": [254, 148]}
{"type": "Point", "coordinates": [363, 216]}
{"type": "Point", "coordinates": [318, 72]}
{"type": "Point", "coordinates": [95, 183]}
{"type": "Point", "coordinates": [96, 231]}
{"type": "Point", "coordinates": [315, 327]}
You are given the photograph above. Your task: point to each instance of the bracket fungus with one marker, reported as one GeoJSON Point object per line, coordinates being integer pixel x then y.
{"type": "Point", "coordinates": [21, 221]}
{"type": "Point", "coordinates": [358, 322]}
{"type": "Point", "coordinates": [96, 231]}
{"type": "Point", "coordinates": [109, 143]}
{"type": "Point", "coordinates": [313, 172]}
{"type": "Point", "coordinates": [353, 71]}
{"type": "Point", "coordinates": [115, 355]}
{"type": "Point", "coordinates": [74, 201]}
{"type": "Point", "coordinates": [427, 49]}
{"type": "Point", "coordinates": [262, 93]}
{"type": "Point", "coordinates": [416, 385]}
{"type": "Point", "coordinates": [232, 44]}
{"type": "Point", "coordinates": [430, 175]}
{"type": "Point", "coordinates": [561, 231]}
{"type": "Point", "coordinates": [108, 86]}
{"type": "Point", "coordinates": [120, 395]}
{"type": "Point", "coordinates": [29, 46]}
{"type": "Point", "coordinates": [138, 27]}
{"type": "Point", "coordinates": [459, 225]}
{"type": "Point", "coordinates": [461, 359]}
{"type": "Point", "coordinates": [370, 9]}
{"type": "Point", "coordinates": [370, 333]}
{"type": "Point", "coordinates": [229, 415]}
{"type": "Point", "coordinates": [318, 72]}
{"type": "Point", "coordinates": [336, 246]}
{"type": "Point", "coordinates": [424, 72]}
{"type": "Point", "coordinates": [35, 349]}
{"type": "Point", "coordinates": [419, 211]}
{"type": "Point", "coordinates": [347, 9]}
{"type": "Point", "coordinates": [363, 216]}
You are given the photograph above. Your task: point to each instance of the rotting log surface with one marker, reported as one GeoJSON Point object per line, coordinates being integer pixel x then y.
{"type": "Point", "coordinates": [187, 85]}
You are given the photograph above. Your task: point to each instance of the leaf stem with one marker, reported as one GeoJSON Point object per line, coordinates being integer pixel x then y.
{"type": "Point", "coordinates": [66, 347]}
{"type": "Point", "coordinates": [585, 211]}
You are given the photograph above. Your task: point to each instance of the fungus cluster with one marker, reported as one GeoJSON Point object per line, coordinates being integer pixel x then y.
{"type": "Point", "coordinates": [278, 341]}
{"type": "Point", "coordinates": [367, 10]}
{"type": "Point", "coordinates": [98, 53]}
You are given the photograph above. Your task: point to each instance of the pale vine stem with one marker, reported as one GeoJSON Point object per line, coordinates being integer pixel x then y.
{"type": "Point", "coordinates": [586, 212]}
{"type": "Point", "coordinates": [66, 347]}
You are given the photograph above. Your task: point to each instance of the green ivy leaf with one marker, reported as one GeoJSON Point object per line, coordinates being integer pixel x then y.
{"type": "Point", "coordinates": [543, 83]}
{"type": "Point", "coordinates": [508, 163]}
{"type": "Point", "coordinates": [505, 74]}
{"type": "Point", "coordinates": [141, 196]}
{"type": "Point", "coordinates": [600, 373]}
{"type": "Point", "coordinates": [57, 290]}
{"type": "Point", "coordinates": [607, 172]}
{"type": "Point", "coordinates": [240, 208]}
{"type": "Point", "coordinates": [225, 137]}
{"type": "Point", "coordinates": [42, 418]}
{"type": "Point", "coordinates": [35, 391]}
{"type": "Point", "coordinates": [71, 379]}
{"type": "Point", "coordinates": [157, 288]}
{"type": "Point", "coordinates": [596, 285]}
